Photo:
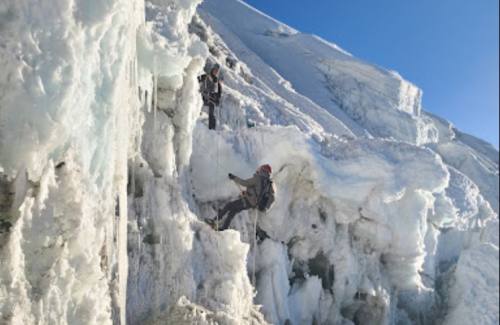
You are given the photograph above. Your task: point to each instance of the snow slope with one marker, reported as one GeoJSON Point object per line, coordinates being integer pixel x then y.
{"type": "Point", "coordinates": [371, 102]}
{"type": "Point", "coordinates": [366, 98]}
{"type": "Point", "coordinates": [385, 214]}
{"type": "Point", "coordinates": [353, 91]}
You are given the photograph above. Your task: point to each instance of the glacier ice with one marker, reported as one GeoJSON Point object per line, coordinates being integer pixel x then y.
{"type": "Point", "coordinates": [385, 213]}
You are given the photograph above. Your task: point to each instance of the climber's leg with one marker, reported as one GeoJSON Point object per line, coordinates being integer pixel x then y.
{"type": "Point", "coordinates": [211, 116]}
{"type": "Point", "coordinates": [233, 208]}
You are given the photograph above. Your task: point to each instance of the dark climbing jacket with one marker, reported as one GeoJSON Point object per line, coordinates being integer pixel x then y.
{"type": "Point", "coordinates": [260, 190]}
{"type": "Point", "coordinates": [210, 88]}
{"type": "Point", "coordinates": [266, 197]}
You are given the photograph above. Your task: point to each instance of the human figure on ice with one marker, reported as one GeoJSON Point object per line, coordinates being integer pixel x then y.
{"type": "Point", "coordinates": [211, 91]}
{"type": "Point", "coordinates": [259, 194]}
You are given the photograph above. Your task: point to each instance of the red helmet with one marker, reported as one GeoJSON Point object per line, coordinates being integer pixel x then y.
{"type": "Point", "coordinates": [266, 168]}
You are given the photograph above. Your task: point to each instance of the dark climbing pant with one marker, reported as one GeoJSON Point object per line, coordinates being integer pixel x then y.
{"type": "Point", "coordinates": [211, 116]}
{"type": "Point", "coordinates": [232, 208]}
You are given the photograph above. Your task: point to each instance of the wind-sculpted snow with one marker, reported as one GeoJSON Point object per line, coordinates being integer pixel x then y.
{"type": "Point", "coordinates": [264, 89]}
{"type": "Point", "coordinates": [480, 165]}
{"type": "Point", "coordinates": [353, 91]}
{"type": "Point", "coordinates": [402, 214]}
{"type": "Point", "coordinates": [367, 99]}
{"type": "Point", "coordinates": [327, 199]}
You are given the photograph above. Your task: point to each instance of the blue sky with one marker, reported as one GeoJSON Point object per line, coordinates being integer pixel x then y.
{"type": "Point", "coordinates": [449, 48]}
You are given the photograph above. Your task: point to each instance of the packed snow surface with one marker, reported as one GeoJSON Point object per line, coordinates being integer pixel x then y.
{"type": "Point", "coordinates": [384, 213]}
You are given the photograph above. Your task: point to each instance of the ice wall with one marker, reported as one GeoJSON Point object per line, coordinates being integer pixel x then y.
{"type": "Point", "coordinates": [180, 270]}
{"type": "Point", "coordinates": [350, 228]}
{"type": "Point", "coordinates": [67, 102]}
{"type": "Point", "coordinates": [98, 104]}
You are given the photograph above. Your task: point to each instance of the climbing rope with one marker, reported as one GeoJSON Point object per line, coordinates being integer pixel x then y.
{"type": "Point", "coordinates": [256, 216]}
{"type": "Point", "coordinates": [218, 115]}
{"type": "Point", "coordinates": [217, 174]}
{"type": "Point", "coordinates": [254, 247]}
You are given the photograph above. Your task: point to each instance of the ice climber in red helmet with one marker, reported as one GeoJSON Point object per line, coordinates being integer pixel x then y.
{"type": "Point", "coordinates": [259, 194]}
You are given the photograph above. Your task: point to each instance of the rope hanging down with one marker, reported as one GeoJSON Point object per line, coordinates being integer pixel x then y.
{"type": "Point", "coordinates": [217, 174]}
{"type": "Point", "coordinates": [254, 247]}
{"type": "Point", "coordinates": [256, 217]}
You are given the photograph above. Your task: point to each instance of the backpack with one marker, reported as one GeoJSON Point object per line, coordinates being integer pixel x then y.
{"type": "Point", "coordinates": [266, 197]}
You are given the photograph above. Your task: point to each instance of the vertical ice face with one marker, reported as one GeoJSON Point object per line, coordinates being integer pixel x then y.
{"type": "Point", "coordinates": [98, 108]}
{"type": "Point", "coordinates": [67, 97]}
{"type": "Point", "coordinates": [180, 270]}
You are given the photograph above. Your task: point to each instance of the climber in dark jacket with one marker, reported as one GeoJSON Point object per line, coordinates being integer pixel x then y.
{"type": "Point", "coordinates": [211, 91]}
{"type": "Point", "coordinates": [249, 199]}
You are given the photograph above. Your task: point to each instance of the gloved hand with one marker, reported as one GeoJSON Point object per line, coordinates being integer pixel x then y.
{"type": "Point", "coordinates": [231, 176]}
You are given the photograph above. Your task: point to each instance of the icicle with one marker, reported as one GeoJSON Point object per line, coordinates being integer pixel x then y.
{"type": "Point", "coordinates": [132, 82]}
{"type": "Point", "coordinates": [133, 79]}
{"type": "Point", "coordinates": [155, 94]}
{"type": "Point", "coordinates": [155, 98]}
{"type": "Point", "coordinates": [130, 75]}
{"type": "Point", "coordinates": [136, 102]}
{"type": "Point", "coordinates": [132, 175]}
{"type": "Point", "coordinates": [290, 270]}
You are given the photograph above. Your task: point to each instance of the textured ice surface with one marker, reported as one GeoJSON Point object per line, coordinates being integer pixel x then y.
{"type": "Point", "coordinates": [384, 214]}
